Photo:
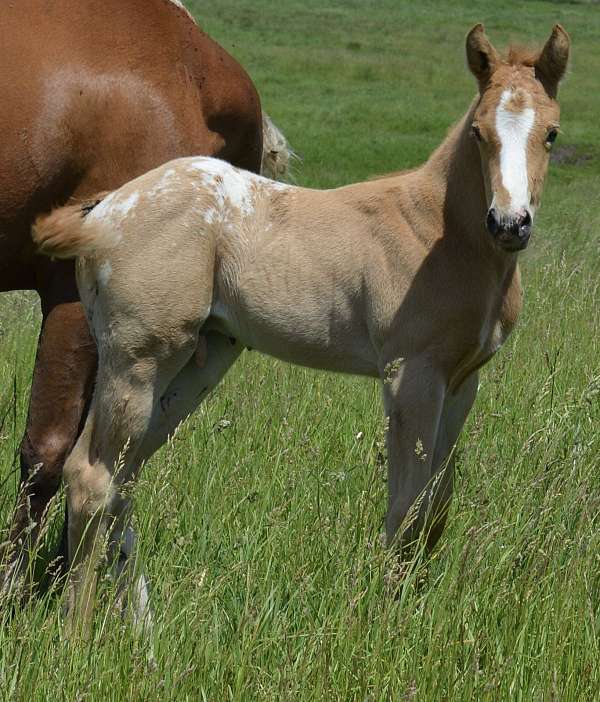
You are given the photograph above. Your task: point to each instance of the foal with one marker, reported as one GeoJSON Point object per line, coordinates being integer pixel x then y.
{"type": "Point", "coordinates": [412, 278]}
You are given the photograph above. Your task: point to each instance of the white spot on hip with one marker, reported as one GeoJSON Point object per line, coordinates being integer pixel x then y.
{"type": "Point", "coordinates": [235, 184]}
{"type": "Point", "coordinates": [114, 207]}
{"type": "Point", "coordinates": [165, 185]}
{"type": "Point", "coordinates": [104, 273]}
{"type": "Point", "coordinates": [210, 215]}
{"type": "Point", "coordinates": [513, 130]}
{"type": "Point", "coordinates": [123, 207]}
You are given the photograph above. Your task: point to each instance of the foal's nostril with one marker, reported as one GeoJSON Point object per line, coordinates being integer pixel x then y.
{"type": "Point", "coordinates": [491, 221]}
{"type": "Point", "coordinates": [525, 225]}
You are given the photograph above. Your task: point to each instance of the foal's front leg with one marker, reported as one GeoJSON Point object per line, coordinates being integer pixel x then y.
{"type": "Point", "coordinates": [457, 406]}
{"type": "Point", "coordinates": [413, 396]}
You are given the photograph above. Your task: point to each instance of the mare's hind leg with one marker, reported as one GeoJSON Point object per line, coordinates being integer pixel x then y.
{"type": "Point", "coordinates": [62, 383]}
{"type": "Point", "coordinates": [187, 390]}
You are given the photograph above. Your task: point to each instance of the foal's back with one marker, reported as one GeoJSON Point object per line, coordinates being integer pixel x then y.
{"type": "Point", "coordinates": [94, 94]}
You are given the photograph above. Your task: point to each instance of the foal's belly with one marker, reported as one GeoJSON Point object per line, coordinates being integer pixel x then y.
{"type": "Point", "coordinates": [324, 339]}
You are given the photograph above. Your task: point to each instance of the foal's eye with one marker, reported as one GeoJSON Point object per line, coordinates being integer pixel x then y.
{"type": "Point", "coordinates": [551, 137]}
{"type": "Point", "coordinates": [476, 132]}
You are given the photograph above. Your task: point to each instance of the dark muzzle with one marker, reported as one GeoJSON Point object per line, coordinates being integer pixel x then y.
{"type": "Point", "coordinates": [511, 233]}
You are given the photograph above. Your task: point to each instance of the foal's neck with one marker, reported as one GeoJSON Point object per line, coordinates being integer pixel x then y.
{"type": "Point", "coordinates": [455, 167]}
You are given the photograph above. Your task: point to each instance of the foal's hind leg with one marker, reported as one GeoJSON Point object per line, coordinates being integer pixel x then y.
{"type": "Point", "coordinates": [190, 387]}
{"type": "Point", "coordinates": [146, 314]}
{"type": "Point", "coordinates": [103, 461]}
{"type": "Point", "coordinates": [186, 391]}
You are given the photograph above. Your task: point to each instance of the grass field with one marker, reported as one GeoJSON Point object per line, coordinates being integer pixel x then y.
{"type": "Point", "coordinates": [261, 534]}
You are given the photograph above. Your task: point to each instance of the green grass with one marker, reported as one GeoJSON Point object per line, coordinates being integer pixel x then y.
{"type": "Point", "coordinates": [262, 539]}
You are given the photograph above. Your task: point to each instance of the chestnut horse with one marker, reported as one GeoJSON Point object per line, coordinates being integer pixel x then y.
{"type": "Point", "coordinates": [94, 94]}
{"type": "Point", "coordinates": [412, 278]}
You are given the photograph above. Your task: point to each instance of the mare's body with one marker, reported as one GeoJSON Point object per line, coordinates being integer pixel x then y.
{"type": "Point", "coordinates": [94, 94]}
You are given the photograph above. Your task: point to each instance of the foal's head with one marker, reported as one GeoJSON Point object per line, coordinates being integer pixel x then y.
{"type": "Point", "coordinates": [515, 123]}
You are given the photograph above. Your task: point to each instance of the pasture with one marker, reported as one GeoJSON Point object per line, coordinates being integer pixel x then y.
{"type": "Point", "coordinates": [260, 522]}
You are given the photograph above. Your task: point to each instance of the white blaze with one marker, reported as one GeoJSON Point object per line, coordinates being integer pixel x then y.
{"type": "Point", "coordinates": [513, 130]}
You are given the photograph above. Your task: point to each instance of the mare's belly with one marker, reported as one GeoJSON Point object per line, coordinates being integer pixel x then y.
{"type": "Point", "coordinates": [16, 271]}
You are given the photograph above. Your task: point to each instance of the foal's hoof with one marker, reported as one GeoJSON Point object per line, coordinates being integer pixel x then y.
{"type": "Point", "coordinates": [395, 579]}
{"type": "Point", "coordinates": [405, 574]}
{"type": "Point", "coordinates": [13, 580]}
{"type": "Point", "coordinates": [76, 629]}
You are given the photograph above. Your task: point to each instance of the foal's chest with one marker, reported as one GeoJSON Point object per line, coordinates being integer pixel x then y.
{"type": "Point", "coordinates": [494, 331]}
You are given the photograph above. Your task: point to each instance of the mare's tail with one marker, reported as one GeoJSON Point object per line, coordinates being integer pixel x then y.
{"type": "Point", "coordinates": [277, 154]}
{"type": "Point", "coordinates": [67, 232]}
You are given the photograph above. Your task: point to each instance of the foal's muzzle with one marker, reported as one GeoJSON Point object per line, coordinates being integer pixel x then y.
{"type": "Point", "coordinates": [511, 233]}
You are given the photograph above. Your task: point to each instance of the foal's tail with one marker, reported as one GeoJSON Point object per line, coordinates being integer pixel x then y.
{"type": "Point", "coordinates": [66, 233]}
{"type": "Point", "coordinates": [277, 154]}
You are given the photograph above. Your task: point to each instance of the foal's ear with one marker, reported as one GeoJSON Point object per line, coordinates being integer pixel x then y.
{"type": "Point", "coordinates": [551, 64]}
{"type": "Point", "coordinates": [481, 55]}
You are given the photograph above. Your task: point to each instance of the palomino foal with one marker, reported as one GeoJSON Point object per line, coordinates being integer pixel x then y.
{"type": "Point", "coordinates": [412, 278]}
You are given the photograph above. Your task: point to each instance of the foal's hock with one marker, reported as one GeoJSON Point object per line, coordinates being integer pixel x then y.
{"type": "Point", "coordinates": [412, 278]}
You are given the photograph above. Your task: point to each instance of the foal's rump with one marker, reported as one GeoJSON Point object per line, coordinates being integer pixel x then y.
{"type": "Point", "coordinates": [147, 209]}
{"type": "Point", "coordinates": [145, 263]}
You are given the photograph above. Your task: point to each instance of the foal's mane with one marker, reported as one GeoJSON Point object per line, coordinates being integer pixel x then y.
{"type": "Point", "coordinates": [518, 55]}
{"type": "Point", "coordinates": [393, 174]}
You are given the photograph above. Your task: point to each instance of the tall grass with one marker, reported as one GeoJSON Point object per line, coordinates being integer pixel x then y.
{"type": "Point", "coordinates": [261, 534]}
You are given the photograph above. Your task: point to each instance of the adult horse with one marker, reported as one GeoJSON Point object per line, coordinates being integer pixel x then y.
{"type": "Point", "coordinates": [412, 278]}
{"type": "Point", "coordinates": [94, 94]}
